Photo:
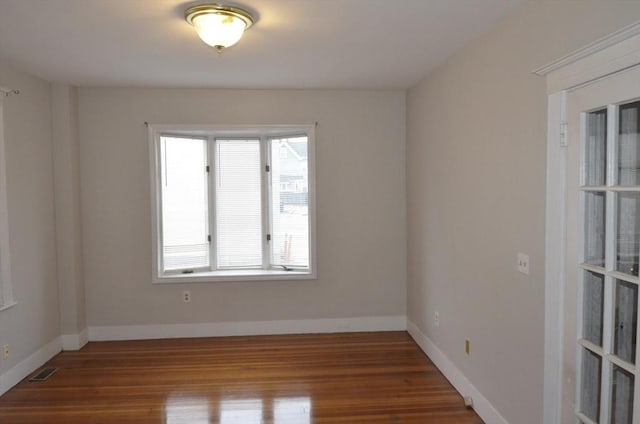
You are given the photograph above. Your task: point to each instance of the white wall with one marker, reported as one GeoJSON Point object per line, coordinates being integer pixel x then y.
{"type": "Point", "coordinates": [476, 134]}
{"type": "Point", "coordinates": [33, 322]}
{"type": "Point", "coordinates": [360, 213]}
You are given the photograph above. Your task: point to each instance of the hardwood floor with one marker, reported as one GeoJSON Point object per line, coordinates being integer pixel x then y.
{"type": "Point", "coordinates": [294, 379]}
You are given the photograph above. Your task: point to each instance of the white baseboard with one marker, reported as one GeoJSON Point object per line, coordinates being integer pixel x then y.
{"type": "Point", "coordinates": [481, 405]}
{"type": "Point", "coordinates": [75, 341]}
{"type": "Point", "coordinates": [247, 328]}
{"type": "Point", "coordinates": [28, 365]}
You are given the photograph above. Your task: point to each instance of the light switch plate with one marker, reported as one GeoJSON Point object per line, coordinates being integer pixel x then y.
{"type": "Point", "coordinates": [523, 263]}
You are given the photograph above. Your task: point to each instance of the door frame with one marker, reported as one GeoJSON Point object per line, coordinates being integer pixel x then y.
{"type": "Point", "coordinates": [607, 56]}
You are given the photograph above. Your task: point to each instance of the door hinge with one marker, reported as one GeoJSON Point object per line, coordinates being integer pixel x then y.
{"type": "Point", "coordinates": [207, 168]}
{"type": "Point", "coordinates": [267, 168]}
{"type": "Point", "coordinates": [564, 142]}
{"type": "Point", "coordinates": [209, 238]}
{"type": "Point", "coordinates": [268, 237]}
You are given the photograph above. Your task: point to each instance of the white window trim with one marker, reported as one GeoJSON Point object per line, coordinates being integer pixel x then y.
{"type": "Point", "coordinates": [154, 132]}
{"type": "Point", "coordinates": [604, 57]}
{"type": "Point", "coordinates": [6, 295]}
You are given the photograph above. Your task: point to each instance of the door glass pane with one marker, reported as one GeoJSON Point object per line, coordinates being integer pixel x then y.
{"type": "Point", "coordinates": [592, 307]}
{"type": "Point", "coordinates": [184, 203]}
{"type": "Point", "coordinates": [594, 231]}
{"type": "Point", "coordinates": [596, 148]}
{"type": "Point", "coordinates": [628, 151]}
{"type": "Point", "coordinates": [628, 232]}
{"type": "Point", "coordinates": [590, 387]}
{"type": "Point", "coordinates": [622, 397]}
{"type": "Point", "coordinates": [290, 202]}
{"type": "Point", "coordinates": [626, 320]}
{"type": "Point", "coordinates": [238, 203]}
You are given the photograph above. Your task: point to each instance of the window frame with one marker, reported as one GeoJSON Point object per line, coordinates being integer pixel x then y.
{"type": "Point", "coordinates": [212, 133]}
{"type": "Point", "coordinates": [6, 292]}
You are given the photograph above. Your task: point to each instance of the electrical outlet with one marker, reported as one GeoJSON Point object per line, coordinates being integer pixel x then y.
{"type": "Point", "coordinates": [186, 296]}
{"type": "Point", "coordinates": [436, 319]}
{"type": "Point", "coordinates": [5, 351]}
{"type": "Point", "coordinates": [467, 346]}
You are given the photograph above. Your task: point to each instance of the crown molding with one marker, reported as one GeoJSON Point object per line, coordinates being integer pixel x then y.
{"type": "Point", "coordinates": [590, 49]}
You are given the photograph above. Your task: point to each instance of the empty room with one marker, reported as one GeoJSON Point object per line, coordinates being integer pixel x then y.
{"type": "Point", "coordinates": [319, 211]}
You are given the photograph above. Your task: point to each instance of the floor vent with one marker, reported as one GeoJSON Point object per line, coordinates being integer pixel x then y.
{"type": "Point", "coordinates": [43, 375]}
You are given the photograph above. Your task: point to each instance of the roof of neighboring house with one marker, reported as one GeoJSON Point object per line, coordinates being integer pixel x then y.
{"type": "Point", "coordinates": [299, 148]}
{"type": "Point", "coordinates": [290, 178]}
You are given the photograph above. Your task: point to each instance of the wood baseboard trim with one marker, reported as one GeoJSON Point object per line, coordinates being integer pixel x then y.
{"type": "Point", "coordinates": [28, 365]}
{"type": "Point", "coordinates": [247, 328]}
{"type": "Point", "coordinates": [75, 341]}
{"type": "Point", "coordinates": [481, 405]}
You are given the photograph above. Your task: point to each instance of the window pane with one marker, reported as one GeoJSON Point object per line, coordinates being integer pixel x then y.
{"type": "Point", "coordinates": [626, 321]}
{"type": "Point", "coordinates": [592, 307]}
{"type": "Point", "coordinates": [596, 148]}
{"type": "Point", "coordinates": [594, 231]}
{"type": "Point", "coordinates": [238, 197]}
{"type": "Point", "coordinates": [184, 203]}
{"type": "Point", "coordinates": [628, 232]}
{"type": "Point", "coordinates": [590, 387]}
{"type": "Point", "coordinates": [622, 397]}
{"type": "Point", "coordinates": [628, 152]}
{"type": "Point", "coordinates": [290, 202]}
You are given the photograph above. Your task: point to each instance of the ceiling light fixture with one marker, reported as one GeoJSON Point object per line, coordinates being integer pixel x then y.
{"type": "Point", "coordinates": [217, 25]}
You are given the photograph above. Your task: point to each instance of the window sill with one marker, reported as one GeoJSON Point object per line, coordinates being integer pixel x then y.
{"type": "Point", "coordinates": [7, 306]}
{"type": "Point", "coordinates": [235, 275]}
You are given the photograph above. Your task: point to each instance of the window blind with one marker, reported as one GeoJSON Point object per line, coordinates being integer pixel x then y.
{"type": "Point", "coordinates": [238, 203]}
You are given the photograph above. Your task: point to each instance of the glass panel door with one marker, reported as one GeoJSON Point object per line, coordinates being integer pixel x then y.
{"type": "Point", "coordinates": [603, 250]}
{"type": "Point", "coordinates": [608, 284]}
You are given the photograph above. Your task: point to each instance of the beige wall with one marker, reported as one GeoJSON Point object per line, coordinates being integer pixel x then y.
{"type": "Point", "coordinates": [66, 161]}
{"type": "Point", "coordinates": [360, 213]}
{"type": "Point", "coordinates": [33, 322]}
{"type": "Point", "coordinates": [476, 134]}
{"type": "Point", "coordinates": [474, 193]}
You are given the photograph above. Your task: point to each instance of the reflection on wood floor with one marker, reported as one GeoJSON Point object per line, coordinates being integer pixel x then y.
{"type": "Point", "coordinates": [292, 379]}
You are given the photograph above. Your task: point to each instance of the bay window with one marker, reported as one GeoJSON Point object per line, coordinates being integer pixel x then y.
{"type": "Point", "coordinates": [232, 203]}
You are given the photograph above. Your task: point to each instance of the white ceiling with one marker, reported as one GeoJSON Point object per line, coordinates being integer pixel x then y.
{"type": "Point", "coordinates": [357, 44]}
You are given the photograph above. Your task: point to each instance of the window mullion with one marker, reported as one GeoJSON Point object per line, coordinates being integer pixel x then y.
{"type": "Point", "coordinates": [264, 203]}
{"type": "Point", "coordinates": [211, 180]}
{"type": "Point", "coordinates": [159, 158]}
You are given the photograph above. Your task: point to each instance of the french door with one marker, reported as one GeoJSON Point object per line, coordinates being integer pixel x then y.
{"type": "Point", "coordinates": [601, 355]}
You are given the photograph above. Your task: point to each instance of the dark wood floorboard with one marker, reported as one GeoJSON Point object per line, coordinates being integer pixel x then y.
{"type": "Point", "coordinates": [294, 379]}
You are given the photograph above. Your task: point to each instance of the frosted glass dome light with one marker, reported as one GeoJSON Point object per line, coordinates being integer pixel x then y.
{"type": "Point", "coordinates": [219, 26]}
